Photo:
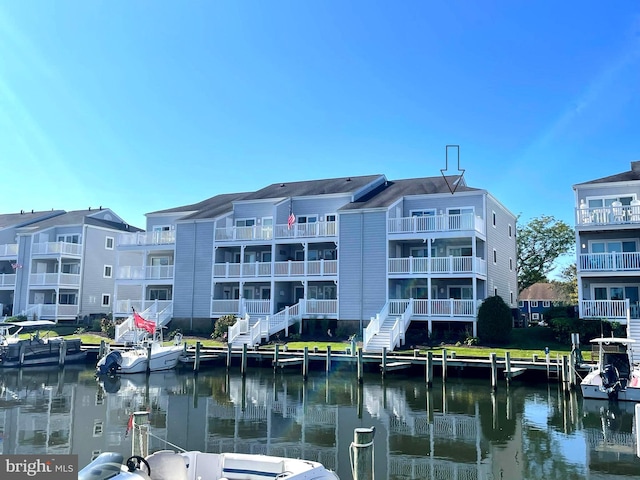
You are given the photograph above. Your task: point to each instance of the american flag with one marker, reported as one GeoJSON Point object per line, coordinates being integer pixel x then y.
{"type": "Point", "coordinates": [15, 266]}
{"type": "Point", "coordinates": [291, 220]}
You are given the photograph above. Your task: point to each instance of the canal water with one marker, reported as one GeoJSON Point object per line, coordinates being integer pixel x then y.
{"type": "Point", "coordinates": [460, 430]}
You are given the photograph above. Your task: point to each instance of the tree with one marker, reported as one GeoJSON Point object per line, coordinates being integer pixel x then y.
{"type": "Point", "coordinates": [540, 243]}
{"type": "Point", "coordinates": [494, 321]}
{"type": "Point", "coordinates": [568, 284]}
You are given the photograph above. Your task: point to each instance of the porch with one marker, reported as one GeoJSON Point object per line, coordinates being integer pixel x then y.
{"type": "Point", "coordinates": [620, 311]}
{"type": "Point", "coordinates": [443, 222]}
{"type": "Point", "coordinates": [437, 265]}
{"type": "Point", "coordinates": [150, 272]}
{"type": "Point", "coordinates": [164, 237]}
{"type": "Point", "coordinates": [609, 262]}
{"type": "Point", "coordinates": [280, 231]}
{"type": "Point", "coordinates": [56, 248]}
{"type": "Point", "coordinates": [308, 307]}
{"type": "Point", "coordinates": [8, 251]}
{"type": "Point", "coordinates": [288, 268]}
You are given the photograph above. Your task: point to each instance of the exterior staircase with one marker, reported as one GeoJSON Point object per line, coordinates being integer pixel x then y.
{"type": "Point", "coordinates": [127, 333]}
{"type": "Point", "coordinates": [252, 330]}
{"type": "Point", "coordinates": [633, 331]}
{"type": "Point", "coordinates": [387, 330]}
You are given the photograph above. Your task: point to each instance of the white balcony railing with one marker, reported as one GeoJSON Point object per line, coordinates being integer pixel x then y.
{"type": "Point", "coordinates": [618, 310]}
{"type": "Point", "coordinates": [436, 223]}
{"type": "Point", "coordinates": [427, 265]}
{"type": "Point", "coordinates": [51, 311]}
{"type": "Point", "coordinates": [54, 279]}
{"type": "Point", "coordinates": [289, 269]}
{"type": "Point", "coordinates": [625, 214]}
{"type": "Point", "coordinates": [9, 250]}
{"type": "Point", "coordinates": [124, 307]}
{"type": "Point", "coordinates": [321, 307]}
{"type": "Point", "coordinates": [609, 262]}
{"type": "Point", "coordinates": [56, 248]}
{"type": "Point", "coordinates": [224, 307]}
{"type": "Point", "coordinates": [257, 232]}
{"type": "Point", "coordinates": [7, 279]}
{"type": "Point", "coordinates": [277, 269]}
{"type": "Point", "coordinates": [167, 237]}
{"type": "Point", "coordinates": [156, 272]}
{"type": "Point", "coordinates": [445, 307]}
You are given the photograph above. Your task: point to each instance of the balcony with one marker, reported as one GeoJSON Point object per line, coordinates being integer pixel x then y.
{"type": "Point", "coordinates": [123, 307]}
{"type": "Point", "coordinates": [156, 272]}
{"type": "Point", "coordinates": [437, 265]}
{"type": "Point", "coordinates": [52, 311]}
{"type": "Point", "coordinates": [289, 268]}
{"type": "Point", "coordinates": [9, 251]}
{"type": "Point", "coordinates": [267, 233]}
{"type": "Point", "coordinates": [436, 223]}
{"type": "Point", "coordinates": [56, 248]}
{"type": "Point", "coordinates": [599, 216]}
{"type": "Point", "coordinates": [7, 279]}
{"type": "Point", "coordinates": [609, 262]}
{"type": "Point", "coordinates": [310, 307]}
{"type": "Point", "coordinates": [54, 279]}
{"type": "Point", "coordinates": [167, 237]}
{"type": "Point", "coordinates": [618, 310]}
{"type": "Point", "coordinates": [437, 308]}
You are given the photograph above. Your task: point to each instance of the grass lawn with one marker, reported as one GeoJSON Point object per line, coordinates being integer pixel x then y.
{"type": "Point", "coordinates": [525, 342]}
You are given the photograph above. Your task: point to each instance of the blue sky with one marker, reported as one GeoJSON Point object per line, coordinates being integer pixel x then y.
{"type": "Point", "coordinates": [146, 105]}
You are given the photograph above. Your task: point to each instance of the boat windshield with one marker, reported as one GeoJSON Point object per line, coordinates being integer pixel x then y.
{"type": "Point", "coordinates": [106, 465]}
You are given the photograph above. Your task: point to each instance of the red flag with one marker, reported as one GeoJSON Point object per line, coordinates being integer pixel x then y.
{"type": "Point", "coordinates": [140, 322]}
{"type": "Point", "coordinates": [129, 426]}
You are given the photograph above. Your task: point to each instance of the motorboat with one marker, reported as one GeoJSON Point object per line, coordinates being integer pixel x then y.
{"type": "Point", "coordinates": [19, 350]}
{"type": "Point", "coordinates": [195, 465]}
{"type": "Point", "coordinates": [146, 356]}
{"type": "Point", "coordinates": [615, 376]}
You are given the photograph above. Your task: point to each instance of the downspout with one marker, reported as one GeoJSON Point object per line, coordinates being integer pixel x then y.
{"type": "Point", "coordinates": [361, 270]}
{"type": "Point", "coordinates": [193, 275]}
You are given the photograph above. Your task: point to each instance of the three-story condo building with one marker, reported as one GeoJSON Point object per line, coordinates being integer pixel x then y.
{"type": "Point", "coordinates": [58, 265]}
{"type": "Point", "coordinates": [375, 253]}
{"type": "Point", "coordinates": [608, 248]}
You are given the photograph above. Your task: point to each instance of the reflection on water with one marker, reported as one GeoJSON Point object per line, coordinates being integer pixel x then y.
{"type": "Point", "coordinates": [458, 431]}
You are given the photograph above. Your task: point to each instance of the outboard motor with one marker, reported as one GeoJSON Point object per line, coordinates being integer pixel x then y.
{"type": "Point", "coordinates": [109, 364]}
{"type": "Point", "coordinates": [610, 381]}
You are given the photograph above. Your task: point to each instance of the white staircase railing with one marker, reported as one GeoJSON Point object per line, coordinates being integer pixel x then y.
{"type": "Point", "coordinates": [399, 329]}
{"type": "Point", "coordinates": [160, 316]}
{"type": "Point", "coordinates": [244, 332]}
{"type": "Point", "coordinates": [239, 328]}
{"type": "Point", "coordinates": [374, 325]}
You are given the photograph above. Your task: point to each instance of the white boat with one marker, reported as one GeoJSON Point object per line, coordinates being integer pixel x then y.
{"type": "Point", "coordinates": [615, 376]}
{"type": "Point", "coordinates": [194, 465]}
{"type": "Point", "coordinates": [37, 349]}
{"type": "Point", "coordinates": [146, 356]}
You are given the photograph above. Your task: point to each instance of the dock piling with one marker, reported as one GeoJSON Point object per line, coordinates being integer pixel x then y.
{"type": "Point", "coordinates": [196, 359]}
{"type": "Point", "coordinates": [360, 369]}
{"type": "Point", "coordinates": [243, 367]}
{"type": "Point", "coordinates": [444, 365]}
{"type": "Point", "coordinates": [429, 369]}
{"type": "Point", "coordinates": [305, 363]}
{"type": "Point", "coordinates": [276, 354]}
{"type": "Point", "coordinates": [62, 353]}
{"type": "Point", "coordinates": [229, 347]}
{"type": "Point", "coordinates": [361, 453]}
{"type": "Point", "coordinates": [384, 362]}
{"type": "Point", "coordinates": [494, 371]}
{"type": "Point", "coordinates": [328, 367]}
{"type": "Point", "coordinates": [507, 367]}
{"type": "Point", "coordinates": [140, 438]}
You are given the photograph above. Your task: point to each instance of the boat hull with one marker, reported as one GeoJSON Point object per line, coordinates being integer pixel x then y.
{"type": "Point", "coordinates": [33, 352]}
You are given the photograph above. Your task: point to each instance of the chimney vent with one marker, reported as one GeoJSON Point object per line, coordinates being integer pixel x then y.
{"type": "Point", "coordinates": [635, 166]}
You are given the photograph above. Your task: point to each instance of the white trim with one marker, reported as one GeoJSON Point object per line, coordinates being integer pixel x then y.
{"type": "Point", "coordinates": [106, 243]}
{"type": "Point", "coordinates": [102, 298]}
{"type": "Point", "coordinates": [104, 271]}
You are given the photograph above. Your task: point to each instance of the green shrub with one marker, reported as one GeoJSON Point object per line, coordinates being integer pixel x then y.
{"type": "Point", "coordinates": [221, 327]}
{"type": "Point", "coordinates": [562, 329]}
{"type": "Point", "coordinates": [494, 321]}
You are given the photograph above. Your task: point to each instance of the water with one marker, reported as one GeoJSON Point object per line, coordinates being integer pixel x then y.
{"type": "Point", "coordinates": [457, 431]}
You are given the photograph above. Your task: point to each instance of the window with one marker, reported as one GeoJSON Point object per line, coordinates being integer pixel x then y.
{"type": "Point", "coordinates": [546, 303]}
{"type": "Point", "coordinates": [331, 217]}
{"type": "Point", "coordinates": [97, 428]}
{"type": "Point", "coordinates": [610, 246]}
{"type": "Point", "coordinates": [73, 268]}
{"type": "Point", "coordinates": [534, 303]}
{"type": "Point", "coordinates": [511, 264]}
{"type": "Point", "coordinates": [430, 212]}
{"type": "Point", "coordinates": [495, 256]}
{"type": "Point", "coordinates": [510, 231]}
{"type": "Point", "coordinates": [493, 218]}
{"type": "Point", "coordinates": [107, 271]}
{"type": "Point", "coordinates": [159, 294]}
{"type": "Point", "coordinates": [521, 303]}
{"type": "Point", "coordinates": [511, 297]}
{"type": "Point", "coordinates": [307, 219]}
{"type": "Point", "coordinates": [75, 238]}
{"type": "Point", "coordinates": [245, 222]}
{"type": "Point", "coordinates": [67, 299]}
{"type": "Point", "coordinates": [459, 251]}
{"type": "Point", "coordinates": [596, 202]}
{"type": "Point", "coordinates": [535, 316]}
{"type": "Point", "coordinates": [460, 218]}
{"type": "Point", "coordinates": [106, 299]}
{"type": "Point", "coordinates": [108, 243]}
{"type": "Point", "coordinates": [159, 261]}
{"type": "Point", "coordinates": [495, 292]}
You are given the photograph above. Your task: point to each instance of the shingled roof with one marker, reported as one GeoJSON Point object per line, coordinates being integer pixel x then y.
{"type": "Point", "coordinates": [541, 291]}
{"type": "Point", "coordinates": [631, 175]}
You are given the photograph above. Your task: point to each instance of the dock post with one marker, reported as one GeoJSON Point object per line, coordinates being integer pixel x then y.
{"type": "Point", "coordinates": [507, 367]}
{"type": "Point", "coordinates": [305, 363]}
{"type": "Point", "coordinates": [565, 374]}
{"type": "Point", "coordinates": [429, 369]}
{"type": "Point", "coordinates": [229, 348]}
{"type": "Point", "coordinates": [444, 365]}
{"type": "Point", "coordinates": [362, 453]}
{"type": "Point", "coordinates": [384, 361]}
{"type": "Point", "coordinates": [276, 354]}
{"type": "Point", "coordinates": [494, 371]}
{"type": "Point", "coordinates": [196, 360]}
{"type": "Point", "coordinates": [360, 369]}
{"type": "Point", "coordinates": [637, 417]}
{"type": "Point", "coordinates": [140, 438]}
{"type": "Point", "coordinates": [103, 349]}
{"type": "Point", "coordinates": [328, 368]}
{"type": "Point", "coordinates": [148, 357]}
{"type": "Point", "coordinates": [62, 353]}
{"type": "Point", "coordinates": [243, 366]}
{"type": "Point", "coordinates": [573, 381]}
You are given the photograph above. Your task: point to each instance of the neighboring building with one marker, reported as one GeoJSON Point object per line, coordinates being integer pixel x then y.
{"type": "Point", "coordinates": [533, 301]}
{"type": "Point", "coordinates": [359, 247]}
{"type": "Point", "coordinates": [608, 248]}
{"type": "Point", "coordinates": [58, 265]}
